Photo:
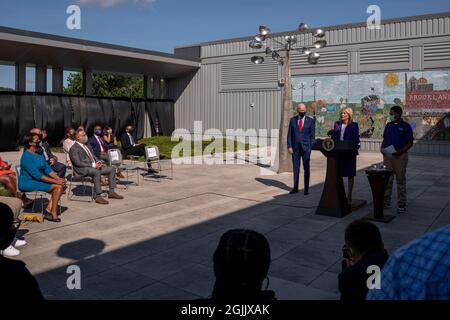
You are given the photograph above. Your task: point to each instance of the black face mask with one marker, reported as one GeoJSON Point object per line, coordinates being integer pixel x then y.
{"type": "Point", "coordinates": [301, 114]}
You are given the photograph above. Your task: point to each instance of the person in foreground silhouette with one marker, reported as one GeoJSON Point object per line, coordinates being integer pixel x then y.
{"type": "Point", "coordinates": [16, 282]}
{"type": "Point", "coordinates": [241, 263]}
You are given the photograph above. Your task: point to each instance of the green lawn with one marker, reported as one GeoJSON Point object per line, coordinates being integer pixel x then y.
{"type": "Point", "coordinates": [165, 146]}
{"type": "Point", "coordinates": [4, 192]}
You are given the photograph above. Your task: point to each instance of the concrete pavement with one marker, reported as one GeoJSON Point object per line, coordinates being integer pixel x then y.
{"type": "Point", "coordinates": [158, 242]}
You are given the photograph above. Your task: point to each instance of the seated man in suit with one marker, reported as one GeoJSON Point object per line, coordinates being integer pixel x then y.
{"type": "Point", "coordinates": [44, 150]}
{"type": "Point", "coordinates": [98, 145]}
{"type": "Point", "coordinates": [129, 143]}
{"type": "Point", "coordinates": [130, 147]}
{"type": "Point", "coordinates": [85, 163]}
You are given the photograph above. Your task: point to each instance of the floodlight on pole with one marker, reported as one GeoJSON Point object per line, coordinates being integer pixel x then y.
{"type": "Point", "coordinates": [302, 27]}
{"type": "Point", "coordinates": [273, 47]}
{"type": "Point", "coordinates": [257, 59]}
{"type": "Point", "coordinates": [319, 33]}
{"type": "Point", "coordinates": [264, 30]}
{"type": "Point", "coordinates": [255, 44]}
{"type": "Point", "coordinates": [320, 44]}
{"type": "Point", "coordinates": [260, 37]}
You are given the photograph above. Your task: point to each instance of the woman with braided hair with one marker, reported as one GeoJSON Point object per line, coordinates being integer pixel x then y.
{"type": "Point", "coordinates": [241, 263]}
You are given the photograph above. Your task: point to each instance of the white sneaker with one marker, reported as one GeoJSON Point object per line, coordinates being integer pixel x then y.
{"type": "Point", "coordinates": [10, 252]}
{"type": "Point", "coordinates": [19, 242]}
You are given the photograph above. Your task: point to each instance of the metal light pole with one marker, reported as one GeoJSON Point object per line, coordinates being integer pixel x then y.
{"type": "Point", "coordinates": [272, 47]}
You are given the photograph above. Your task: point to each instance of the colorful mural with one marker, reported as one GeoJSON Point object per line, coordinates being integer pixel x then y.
{"type": "Point", "coordinates": [424, 96]}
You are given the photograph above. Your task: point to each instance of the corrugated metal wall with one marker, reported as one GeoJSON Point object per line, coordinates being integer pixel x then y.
{"type": "Point", "coordinates": [221, 93]}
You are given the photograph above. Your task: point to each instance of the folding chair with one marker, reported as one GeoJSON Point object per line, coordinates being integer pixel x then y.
{"type": "Point", "coordinates": [77, 180]}
{"type": "Point", "coordinates": [40, 194]}
{"type": "Point", "coordinates": [115, 160]}
{"type": "Point", "coordinates": [152, 156]}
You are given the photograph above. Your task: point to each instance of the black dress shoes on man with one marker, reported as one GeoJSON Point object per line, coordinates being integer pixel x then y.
{"type": "Point", "coordinates": [295, 190]}
{"type": "Point", "coordinates": [306, 192]}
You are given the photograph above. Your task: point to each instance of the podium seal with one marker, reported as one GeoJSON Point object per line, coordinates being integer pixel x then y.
{"type": "Point", "coordinates": [328, 144]}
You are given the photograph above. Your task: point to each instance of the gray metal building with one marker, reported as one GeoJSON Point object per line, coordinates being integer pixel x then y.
{"type": "Point", "coordinates": [221, 92]}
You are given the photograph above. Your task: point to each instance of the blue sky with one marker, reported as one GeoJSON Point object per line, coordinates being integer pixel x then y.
{"type": "Point", "coordinates": [163, 24]}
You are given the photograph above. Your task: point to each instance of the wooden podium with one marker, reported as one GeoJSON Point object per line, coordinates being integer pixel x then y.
{"type": "Point", "coordinates": [334, 202]}
{"type": "Point", "coordinates": [378, 179]}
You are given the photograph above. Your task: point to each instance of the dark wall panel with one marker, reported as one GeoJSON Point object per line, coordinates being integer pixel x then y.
{"type": "Point", "coordinates": [163, 112]}
{"type": "Point", "coordinates": [139, 116]}
{"type": "Point", "coordinates": [152, 117]}
{"type": "Point", "coordinates": [21, 112]}
{"type": "Point", "coordinates": [49, 115]}
{"type": "Point", "coordinates": [122, 116]}
{"type": "Point", "coordinates": [108, 112]}
{"type": "Point", "coordinates": [8, 121]}
{"type": "Point", "coordinates": [66, 106]}
{"type": "Point", "coordinates": [25, 115]}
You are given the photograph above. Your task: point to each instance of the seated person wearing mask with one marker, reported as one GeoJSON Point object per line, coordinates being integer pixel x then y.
{"type": "Point", "coordinates": [37, 175]}
{"type": "Point", "coordinates": [67, 143]}
{"type": "Point", "coordinates": [363, 248]}
{"type": "Point", "coordinates": [16, 281]}
{"type": "Point", "coordinates": [85, 163]}
{"type": "Point", "coordinates": [129, 143]}
{"type": "Point", "coordinates": [131, 148]}
{"type": "Point", "coordinates": [97, 144]}
{"type": "Point", "coordinates": [44, 150]}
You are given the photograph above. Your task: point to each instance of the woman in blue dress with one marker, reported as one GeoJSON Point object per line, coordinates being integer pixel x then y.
{"type": "Point", "coordinates": [347, 130]}
{"type": "Point", "coordinates": [37, 175]}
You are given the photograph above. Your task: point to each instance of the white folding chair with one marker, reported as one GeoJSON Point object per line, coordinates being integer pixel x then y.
{"type": "Point", "coordinates": [152, 157]}
{"type": "Point", "coordinates": [115, 160]}
{"type": "Point", "coordinates": [40, 194]}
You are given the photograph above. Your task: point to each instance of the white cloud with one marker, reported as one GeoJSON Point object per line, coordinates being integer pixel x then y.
{"type": "Point", "coordinates": [112, 3]}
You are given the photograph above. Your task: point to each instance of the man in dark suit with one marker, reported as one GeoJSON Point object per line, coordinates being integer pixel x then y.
{"type": "Point", "coordinates": [44, 150]}
{"type": "Point", "coordinates": [130, 146]}
{"type": "Point", "coordinates": [98, 145]}
{"type": "Point", "coordinates": [85, 163]}
{"type": "Point", "coordinates": [129, 143]}
{"type": "Point", "coordinates": [301, 135]}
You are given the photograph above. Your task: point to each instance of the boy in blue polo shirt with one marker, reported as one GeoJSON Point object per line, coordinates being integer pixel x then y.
{"type": "Point", "coordinates": [398, 134]}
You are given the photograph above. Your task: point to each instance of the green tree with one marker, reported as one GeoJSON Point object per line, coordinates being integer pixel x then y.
{"type": "Point", "coordinates": [6, 89]}
{"type": "Point", "coordinates": [106, 85]}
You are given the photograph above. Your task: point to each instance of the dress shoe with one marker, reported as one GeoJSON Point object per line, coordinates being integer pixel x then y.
{"type": "Point", "coordinates": [113, 195]}
{"type": "Point", "coordinates": [295, 190]}
{"type": "Point", "coordinates": [100, 200]}
{"type": "Point", "coordinates": [306, 192]}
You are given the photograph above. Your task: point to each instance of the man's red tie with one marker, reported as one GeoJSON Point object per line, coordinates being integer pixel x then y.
{"type": "Point", "coordinates": [300, 125]}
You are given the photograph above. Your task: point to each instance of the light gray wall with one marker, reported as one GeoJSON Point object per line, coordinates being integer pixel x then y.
{"type": "Point", "coordinates": [220, 93]}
